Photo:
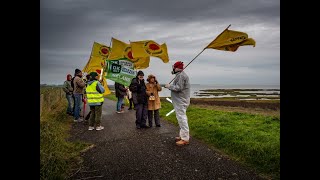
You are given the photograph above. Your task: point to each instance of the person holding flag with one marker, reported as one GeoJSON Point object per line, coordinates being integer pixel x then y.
{"type": "Point", "coordinates": [180, 94]}
{"type": "Point", "coordinates": [94, 92]}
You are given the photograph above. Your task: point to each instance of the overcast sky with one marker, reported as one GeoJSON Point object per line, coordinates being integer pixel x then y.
{"type": "Point", "coordinates": [69, 28]}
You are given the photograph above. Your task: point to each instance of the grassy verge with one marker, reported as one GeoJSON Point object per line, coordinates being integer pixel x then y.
{"type": "Point", "coordinates": [57, 155]}
{"type": "Point", "coordinates": [251, 139]}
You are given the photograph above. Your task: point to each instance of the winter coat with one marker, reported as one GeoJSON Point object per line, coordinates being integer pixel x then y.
{"type": "Point", "coordinates": [153, 88]}
{"type": "Point", "coordinates": [139, 95]}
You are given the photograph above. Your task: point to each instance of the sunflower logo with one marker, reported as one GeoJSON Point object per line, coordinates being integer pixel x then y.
{"type": "Point", "coordinates": [152, 48]}
{"type": "Point", "coordinates": [128, 54]}
{"type": "Point", "coordinates": [104, 51]}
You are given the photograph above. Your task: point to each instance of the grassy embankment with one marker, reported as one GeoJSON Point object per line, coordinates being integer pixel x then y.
{"type": "Point", "coordinates": [57, 155]}
{"type": "Point", "coordinates": [252, 139]}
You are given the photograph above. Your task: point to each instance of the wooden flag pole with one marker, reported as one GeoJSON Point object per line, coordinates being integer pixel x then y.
{"type": "Point", "coordinates": [198, 54]}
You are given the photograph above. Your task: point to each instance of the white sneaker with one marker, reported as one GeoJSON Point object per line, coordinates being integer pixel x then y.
{"type": "Point", "coordinates": [91, 128]}
{"type": "Point", "coordinates": [99, 128]}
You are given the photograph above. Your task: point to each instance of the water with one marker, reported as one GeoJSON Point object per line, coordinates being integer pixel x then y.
{"type": "Point", "coordinates": [195, 89]}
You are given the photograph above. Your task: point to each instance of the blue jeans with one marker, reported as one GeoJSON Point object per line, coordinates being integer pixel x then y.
{"type": "Point", "coordinates": [70, 102]}
{"type": "Point", "coordinates": [77, 105]}
{"type": "Point", "coordinates": [119, 103]}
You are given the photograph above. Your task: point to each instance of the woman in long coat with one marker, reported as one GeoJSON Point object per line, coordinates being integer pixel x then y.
{"type": "Point", "coordinates": [154, 104]}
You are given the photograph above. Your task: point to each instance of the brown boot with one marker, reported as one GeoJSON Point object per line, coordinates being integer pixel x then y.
{"type": "Point", "coordinates": [178, 139]}
{"type": "Point", "coordinates": [182, 142]}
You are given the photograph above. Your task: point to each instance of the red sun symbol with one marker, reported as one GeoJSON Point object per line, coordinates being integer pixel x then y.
{"type": "Point", "coordinates": [154, 47]}
{"type": "Point", "coordinates": [98, 71]}
{"type": "Point", "coordinates": [104, 51]}
{"type": "Point", "coordinates": [130, 55]}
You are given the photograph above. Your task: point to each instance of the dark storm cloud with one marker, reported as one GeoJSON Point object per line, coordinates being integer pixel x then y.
{"type": "Point", "coordinates": [68, 29]}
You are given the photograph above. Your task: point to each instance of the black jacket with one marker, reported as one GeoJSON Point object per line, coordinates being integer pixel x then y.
{"type": "Point", "coordinates": [120, 90]}
{"type": "Point", "coordinates": [139, 94]}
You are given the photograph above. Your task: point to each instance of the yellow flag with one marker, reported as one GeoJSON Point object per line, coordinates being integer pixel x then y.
{"type": "Point", "coordinates": [118, 49]}
{"type": "Point", "coordinates": [121, 49]}
{"type": "Point", "coordinates": [105, 85]}
{"type": "Point", "coordinates": [100, 50]}
{"type": "Point", "coordinates": [164, 56]}
{"type": "Point", "coordinates": [142, 63]}
{"type": "Point", "coordinates": [96, 64]}
{"type": "Point", "coordinates": [230, 40]}
{"type": "Point", "coordinates": [149, 48]}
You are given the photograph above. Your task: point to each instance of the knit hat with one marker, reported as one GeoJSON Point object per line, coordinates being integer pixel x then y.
{"type": "Point", "coordinates": [140, 73]}
{"type": "Point", "coordinates": [178, 64]}
{"type": "Point", "coordinates": [93, 74]}
{"type": "Point", "coordinates": [150, 76]}
{"type": "Point", "coordinates": [77, 71]}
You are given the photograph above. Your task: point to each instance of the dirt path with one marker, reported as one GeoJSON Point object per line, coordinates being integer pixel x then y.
{"type": "Point", "coordinates": [123, 152]}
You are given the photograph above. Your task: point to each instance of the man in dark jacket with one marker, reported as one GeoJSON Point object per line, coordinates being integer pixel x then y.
{"type": "Point", "coordinates": [140, 99]}
{"type": "Point", "coordinates": [121, 91]}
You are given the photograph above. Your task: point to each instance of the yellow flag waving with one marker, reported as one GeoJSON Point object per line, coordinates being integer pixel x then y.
{"type": "Point", "coordinates": [100, 50]}
{"type": "Point", "coordinates": [150, 48]}
{"type": "Point", "coordinates": [123, 50]}
{"type": "Point", "coordinates": [95, 64]}
{"type": "Point", "coordinates": [118, 49]}
{"type": "Point", "coordinates": [230, 40]}
{"type": "Point", "coordinates": [142, 63]}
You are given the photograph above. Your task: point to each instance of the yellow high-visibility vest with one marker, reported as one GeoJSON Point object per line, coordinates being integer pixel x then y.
{"type": "Point", "coordinates": [93, 96]}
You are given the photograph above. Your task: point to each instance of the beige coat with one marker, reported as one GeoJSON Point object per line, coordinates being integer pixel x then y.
{"type": "Point", "coordinates": [79, 85]}
{"type": "Point", "coordinates": [153, 88]}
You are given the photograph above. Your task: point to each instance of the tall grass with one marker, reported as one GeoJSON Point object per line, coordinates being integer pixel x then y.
{"type": "Point", "coordinates": [253, 140]}
{"type": "Point", "coordinates": [57, 155]}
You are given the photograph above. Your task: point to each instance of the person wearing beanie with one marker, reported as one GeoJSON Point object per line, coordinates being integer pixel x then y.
{"type": "Point", "coordinates": [140, 99]}
{"type": "Point", "coordinates": [67, 88]}
{"type": "Point", "coordinates": [180, 95]}
{"type": "Point", "coordinates": [94, 93]}
{"type": "Point", "coordinates": [154, 104]}
{"type": "Point", "coordinates": [78, 91]}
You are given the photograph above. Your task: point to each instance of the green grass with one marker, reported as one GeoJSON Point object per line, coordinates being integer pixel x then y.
{"type": "Point", "coordinates": [57, 155]}
{"type": "Point", "coordinates": [253, 140]}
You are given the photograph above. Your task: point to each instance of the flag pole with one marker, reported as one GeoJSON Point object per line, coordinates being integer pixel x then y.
{"type": "Point", "coordinates": [188, 64]}
{"type": "Point", "coordinates": [199, 54]}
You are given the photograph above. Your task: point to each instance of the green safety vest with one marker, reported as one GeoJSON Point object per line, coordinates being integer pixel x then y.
{"type": "Point", "coordinates": [93, 96]}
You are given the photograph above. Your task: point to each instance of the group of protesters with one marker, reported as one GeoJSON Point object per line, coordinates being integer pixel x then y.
{"type": "Point", "coordinates": [143, 97]}
{"type": "Point", "coordinates": [82, 90]}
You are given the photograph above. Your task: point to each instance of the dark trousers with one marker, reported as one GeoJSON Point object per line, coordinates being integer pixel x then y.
{"type": "Point", "coordinates": [141, 114]}
{"type": "Point", "coordinates": [88, 115]}
{"type": "Point", "coordinates": [95, 116]}
{"type": "Point", "coordinates": [153, 114]}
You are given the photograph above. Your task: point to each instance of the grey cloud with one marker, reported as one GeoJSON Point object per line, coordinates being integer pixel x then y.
{"type": "Point", "coordinates": [68, 29]}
